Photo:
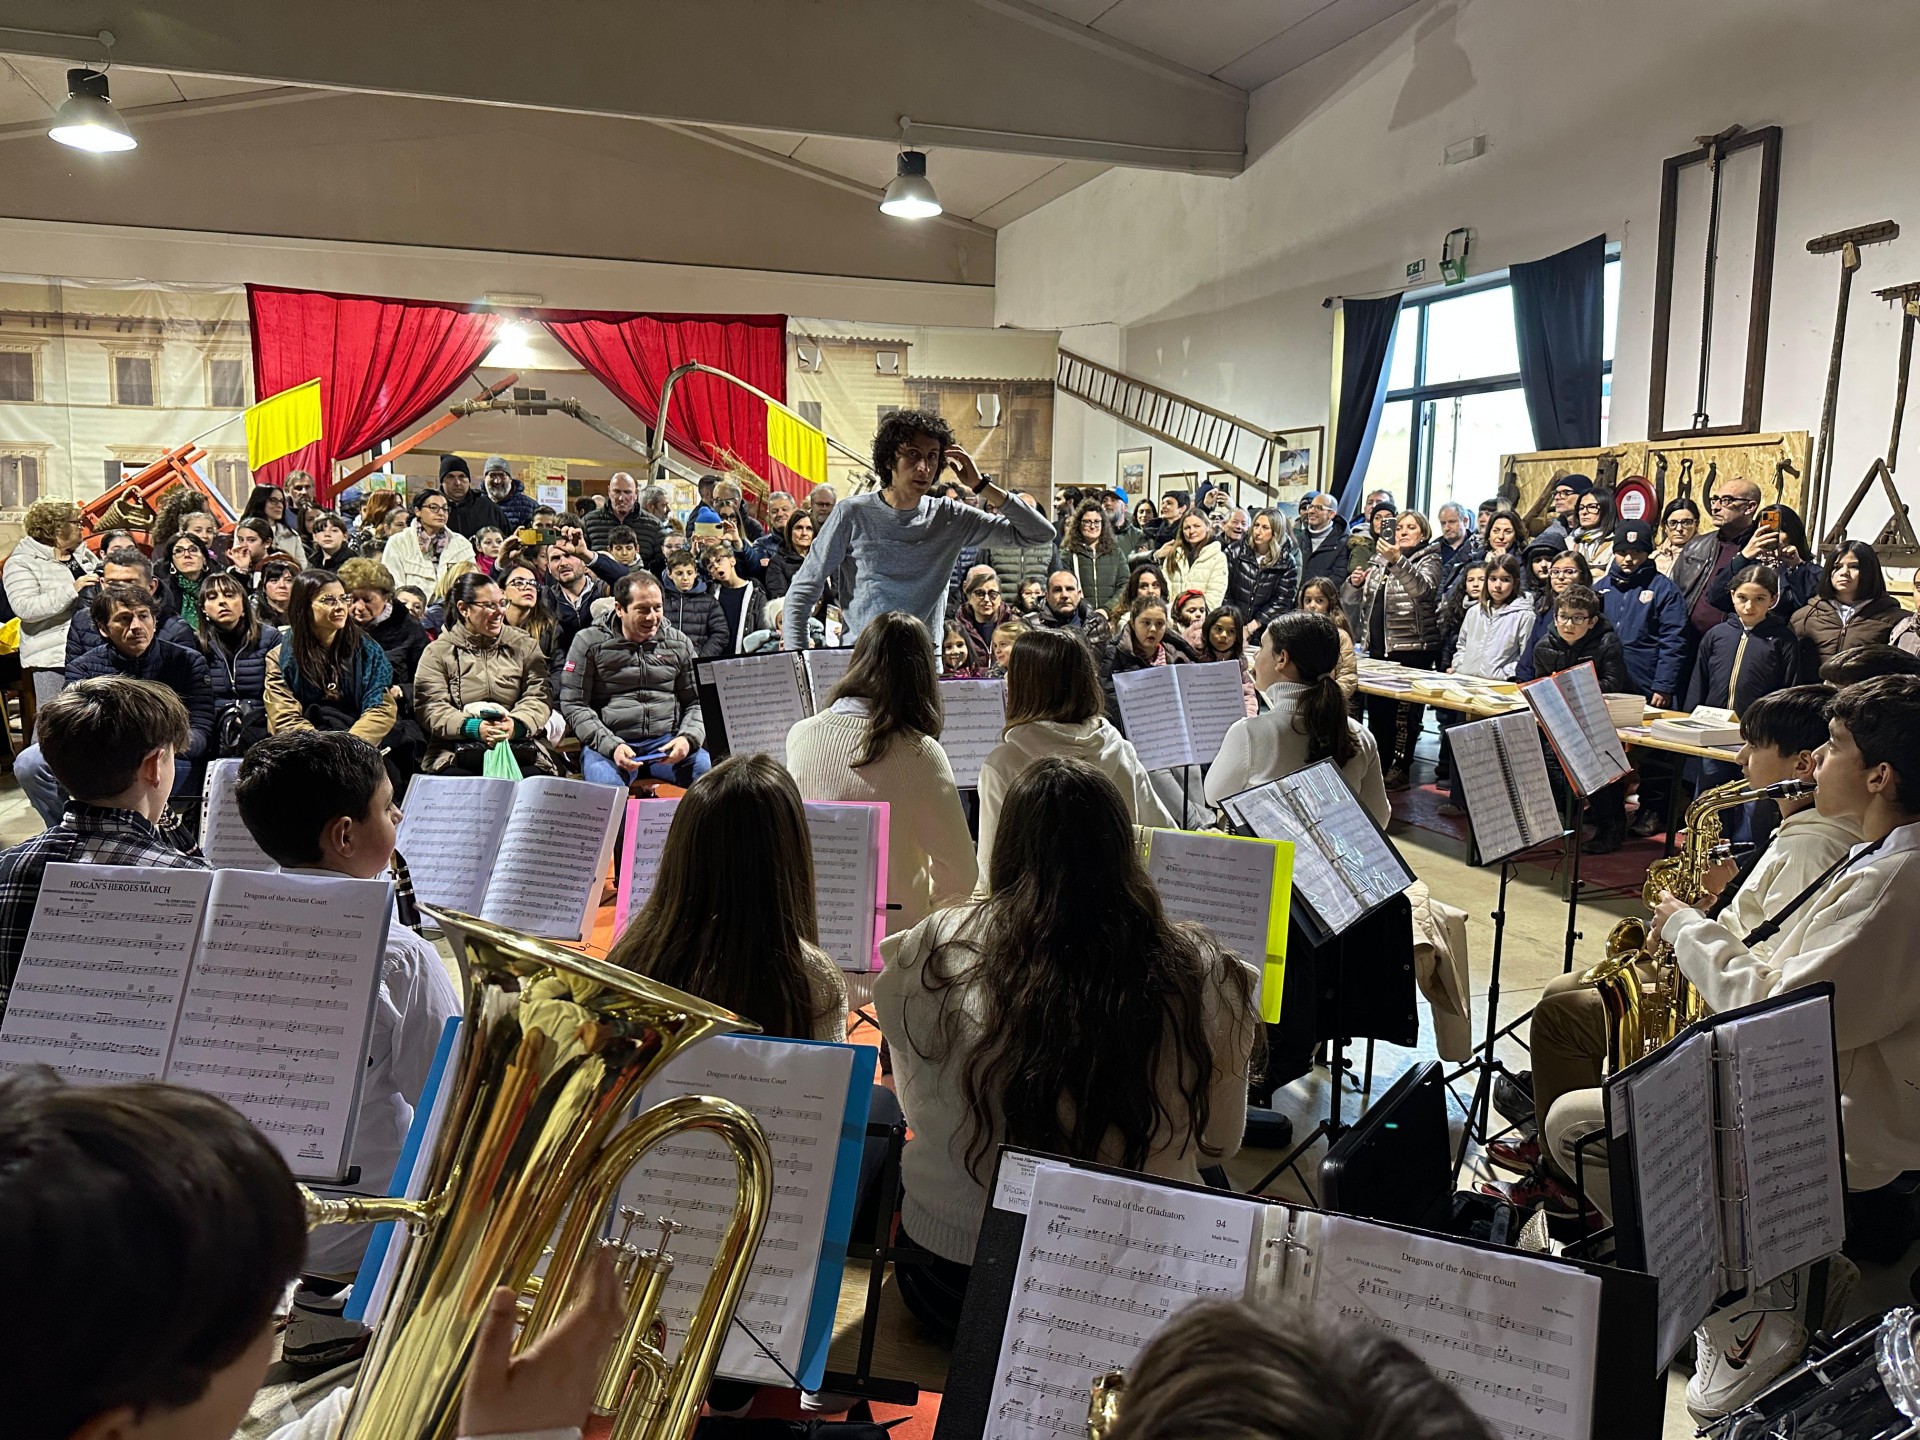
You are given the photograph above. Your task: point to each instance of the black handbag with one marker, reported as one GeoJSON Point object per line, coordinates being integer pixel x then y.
{"type": "Point", "coordinates": [238, 726]}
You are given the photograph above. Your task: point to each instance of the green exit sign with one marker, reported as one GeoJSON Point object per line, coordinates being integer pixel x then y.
{"type": "Point", "coordinates": [1416, 269]}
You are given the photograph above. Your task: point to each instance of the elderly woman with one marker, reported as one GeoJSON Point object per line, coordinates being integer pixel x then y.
{"type": "Point", "coordinates": [47, 574]}
{"type": "Point", "coordinates": [1400, 611]}
{"type": "Point", "coordinates": [370, 587]}
{"type": "Point", "coordinates": [427, 548]}
{"type": "Point", "coordinates": [481, 682]}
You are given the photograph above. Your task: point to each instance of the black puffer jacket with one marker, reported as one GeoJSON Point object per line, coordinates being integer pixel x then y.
{"type": "Point", "coordinates": [1260, 592]}
{"type": "Point", "coordinates": [241, 676]}
{"type": "Point", "coordinates": [617, 692]}
{"type": "Point", "coordinates": [1601, 645]}
{"type": "Point", "coordinates": [403, 639]}
{"type": "Point", "coordinates": [698, 616]}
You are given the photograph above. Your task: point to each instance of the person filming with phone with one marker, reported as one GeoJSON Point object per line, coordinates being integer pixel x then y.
{"type": "Point", "coordinates": [902, 541]}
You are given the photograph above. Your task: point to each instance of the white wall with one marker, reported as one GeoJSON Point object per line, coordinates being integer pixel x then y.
{"type": "Point", "coordinates": [1214, 287]}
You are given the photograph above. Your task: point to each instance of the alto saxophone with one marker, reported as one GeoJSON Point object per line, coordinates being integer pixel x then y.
{"type": "Point", "coordinates": [1647, 1000]}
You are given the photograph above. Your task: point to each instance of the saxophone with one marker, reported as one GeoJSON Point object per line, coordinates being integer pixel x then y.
{"type": "Point", "coordinates": [1645, 1013]}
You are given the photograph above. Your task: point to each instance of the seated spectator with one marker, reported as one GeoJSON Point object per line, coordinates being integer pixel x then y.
{"type": "Point", "coordinates": [378, 612]}
{"type": "Point", "coordinates": [125, 565]}
{"type": "Point", "coordinates": [179, 506]}
{"type": "Point", "coordinates": [1054, 708]}
{"type": "Point", "coordinates": [332, 547]}
{"type": "Point", "coordinates": [878, 739]}
{"type": "Point", "coordinates": [691, 610]}
{"type": "Point", "coordinates": [328, 673]}
{"type": "Point", "coordinates": [480, 683]}
{"type": "Point", "coordinates": [268, 504]}
{"type": "Point", "coordinates": [322, 804]}
{"type": "Point", "coordinates": [124, 615]}
{"type": "Point", "coordinates": [1032, 591]}
{"type": "Point", "coordinates": [414, 599]}
{"type": "Point", "coordinates": [571, 590]}
{"type": "Point", "coordinates": [740, 830]}
{"type": "Point", "coordinates": [486, 548]}
{"type": "Point", "coordinates": [1305, 720]}
{"type": "Point", "coordinates": [1321, 596]}
{"type": "Point", "coordinates": [1144, 581]}
{"type": "Point", "coordinates": [371, 527]}
{"type": "Point", "coordinates": [1851, 607]}
{"type": "Point", "coordinates": [981, 609]}
{"type": "Point", "coordinates": [527, 607]}
{"type": "Point", "coordinates": [436, 618]}
{"type": "Point", "coordinates": [1581, 633]}
{"type": "Point", "coordinates": [742, 605]}
{"type": "Point", "coordinates": [1062, 1013]}
{"type": "Point", "coordinates": [418, 554]}
{"type": "Point", "coordinates": [183, 568]}
{"type": "Point", "coordinates": [276, 589]}
{"type": "Point", "coordinates": [248, 548]}
{"type": "Point", "coordinates": [630, 694]}
{"type": "Point", "coordinates": [236, 646]}
{"type": "Point", "coordinates": [1065, 608]}
{"type": "Point", "coordinates": [110, 746]}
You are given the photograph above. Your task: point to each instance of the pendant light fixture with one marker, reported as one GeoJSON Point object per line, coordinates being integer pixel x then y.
{"type": "Point", "coordinates": [910, 196]}
{"type": "Point", "coordinates": [88, 121]}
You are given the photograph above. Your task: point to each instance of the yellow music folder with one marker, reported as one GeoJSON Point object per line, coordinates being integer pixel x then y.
{"type": "Point", "coordinates": [1239, 888]}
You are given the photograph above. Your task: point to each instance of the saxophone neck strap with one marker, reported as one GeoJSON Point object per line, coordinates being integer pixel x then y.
{"type": "Point", "coordinates": [1770, 927]}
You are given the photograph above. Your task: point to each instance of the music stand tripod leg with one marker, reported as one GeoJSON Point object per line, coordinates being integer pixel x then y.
{"type": "Point", "coordinates": [1574, 803]}
{"type": "Point", "coordinates": [1481, 1105]}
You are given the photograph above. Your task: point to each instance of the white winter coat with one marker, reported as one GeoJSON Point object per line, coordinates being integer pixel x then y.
{"type": "Point", "coordinates": [40, 589]}
{"type": "Point", "coordinates": [1492, 641]}
{"type": "Point", "coordinates": [409, 564]}
{"type": "Point", "coordinates": [1207, 573]}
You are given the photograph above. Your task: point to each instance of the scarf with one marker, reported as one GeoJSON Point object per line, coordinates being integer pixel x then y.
{"type": "Point", "coordinates": [189, 600]}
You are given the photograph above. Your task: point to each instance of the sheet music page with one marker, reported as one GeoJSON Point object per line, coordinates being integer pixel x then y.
{"type": "Point", "coordinates": [1514, 1336]}
{"type": "Point", "coordinates": [224, 837]}
{"type": "Point", "coordinates": [1527, 760]}
{"type": "Point", "coordinates": [1670, 1117]}
{"type": "Point", "coordinates": [1155, 723]}
{"type": "Point", "coordinates": [846, 871]}
{"type": "Point", "coordinates": [1268, 812]}
{"type": "Point", "coordinates": [649, 839]}
{"type": "Point", "coordinates": [1788, 1135]}
{"type": "Point", "coordinates": [279, 1009]}
{"type": "Point", "coordinates": [553, 857]}
{"type": "Point", "coordinates": [761, 698]}
{"type": "Point", "coordinates": [1503, 774]}
{"type": "Point", "coordinates": [824, 669]}
{"type": "Point", "coordinates": [1221, 882]}
{"type": "Point", "coordinates": [798, 1093]}
{"type": "Point", "coordinates": [102, 971]}
{"type": "Point", "coordinates": [1329, 813]}
{"type": "Point", "coordinates": [448, 837]}
{"type": "Point", "coordinates": [1106, 1261]}
{"type": "Point", "coordinates": [1574, 714]}
{"type": "Point", "coordinates": [973, 713]}
{"type": "Point", "coordinates": [1211, 696]}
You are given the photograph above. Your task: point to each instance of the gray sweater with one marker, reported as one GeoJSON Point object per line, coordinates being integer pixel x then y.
{"type": "Point", "coordinates": [902, 559]}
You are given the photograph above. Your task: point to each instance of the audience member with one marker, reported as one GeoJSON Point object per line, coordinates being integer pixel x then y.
{"type": "Point", "coordinates": [1192, 559]}
{"type": "Point", "coordinates": [1748, 655]}
{"type": "Point", "coordinates": [570, 592]}
{"type": "Point", "coordinates": [1004, 634]}
{"type": "Point", "coordinates": [1144, 582]}
{"type": "Point", "coordinates": [182, 570]}
{"type": "Point", "coordinates": [1322, 541]}
{"type": "Point", "coordinates": [1494, 632]}
{"type": "Point", "coordinates": [742, 603]}
{"type": "Point", "coordinates": [1223, 640]}
{"type": "Point", "coordinates": [469, 508]}
{"type": "Point", "coordinates": [1851, 607]}
{"type": "Point", "coordinates": [124, 565]}
{"type": "Point", "coordinates": [418, 554]}
{"type": "Point", "coordinates": [508, 495]}
{"type": "Point", "coordinates": [1679, 524]}
{"type": "Point", "coordinates": [480, 683]}
{"type": "Point", "coordinates": [981, 609]}
{"type": "Point", "coordinates": [1262, 578]}
{"type": "Point", "coordinates": [1593, 534]}
{"type": "Point", "coordinates": [1564, 570]}
{"type": "Point", "coordinates": [332, 547]}
{"type": "Point", "coordinates": [629, 693]}
{"type": "Point", "coordinates": [236, 646]}
{"type": "Point", "coordinates": [1093, 553]}
{"type": "Point", "coordinates": [1066, 608]}
{"type": "Point", "coordinates": [275, 591]}
{"type": "Point", "coordinates": [1863, 662]}
{"type": "Point", "coordinates": [268, 503]}
{"type": "Point", "coordinates": [379, 613]}
{"type": "Point", "coordinates": [1321, 596]}
{"type": "Point", "coordinates": [1778, 541]}
{"type": "Point", "coordinates": [1400, 605]}
{"type": "Point", "coordinates": [692, 609]}
{"type": "Point", "coordinates": [1735, 506]}
{"type": "Point", "coordinates": [1565, 499]}
{"type": "Point", "coordinates": [328, 673]}
{"type": "Point", "coordinates": [370, 531]}
{"type": "Point", "coordinates": [527, 607]}
{"type": "Point", "coordinates": [1647, 612]}
{"type": "Point", "coordinates": [47, 577]}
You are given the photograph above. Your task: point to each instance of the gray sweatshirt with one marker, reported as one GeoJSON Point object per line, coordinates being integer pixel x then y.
{"type": "Point", "coordinates": [902, 559]}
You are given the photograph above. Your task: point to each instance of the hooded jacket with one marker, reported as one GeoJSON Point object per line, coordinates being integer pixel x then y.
{"type": "Point", "coordinates": [39, 586]}
{"type": "Point", "coordinates": [1491, 641]}
{"type": "Point", "coordinates": [1094, 741]}
{"type": "Point", "coordinates": [1736, 666]}
{"type": "Point", "coordinates": [1600, 645]}
{"type": "Point", "coordinates": [698, 616]}
{"type": "Point", "coordinates": [1649, 614]}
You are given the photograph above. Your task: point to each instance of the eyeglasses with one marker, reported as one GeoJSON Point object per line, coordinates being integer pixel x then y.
{"type": "Point", "coordinates": [523, 582]}
{"type": "Point", "coordinates": [1720, 502]}
{"type": "Point", "coordinates": [437, 507]}
{"type": "Point", "coordinates": [486, 605]}
{"type": "Point", "coordinates": [985, 594]}
{"type": "Point", "coordinates": [332, 602]}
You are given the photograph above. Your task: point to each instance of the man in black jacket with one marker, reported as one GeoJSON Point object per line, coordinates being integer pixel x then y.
{"type": "Point", "coordinates": [469, 511]}
{"type": "Point", "coordinates": [1066, 608]}
{"type": "Point", "coordinates": [1736, 509]}
{"type": "Point", "coordinates": [127, 566]}
{"type": "Point", "coordinates": [622, 508]}
{"type": "Point", "coordinates": [571, 590]}
{"type": "Point", "coordinates": [1322, 540]}
{"type": "Point", "coordinates": [1581, 632]}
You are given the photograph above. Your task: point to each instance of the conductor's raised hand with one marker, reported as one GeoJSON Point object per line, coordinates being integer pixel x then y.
{"type": "Point", "coordinates": [549, 1386]}
{"type": "Point", "coordinates": [964, 467]}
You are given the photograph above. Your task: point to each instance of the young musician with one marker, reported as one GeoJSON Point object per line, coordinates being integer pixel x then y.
{"type": "Point", "coordinates": [168, 1194]}
{"type": "Point", "coordinates": [1066, 1013]}
{"type": "Point", "coordinates": [319, 802]}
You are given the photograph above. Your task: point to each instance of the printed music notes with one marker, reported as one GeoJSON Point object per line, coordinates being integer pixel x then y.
{"type": "Point", "coordinates": [1514, 1335]}
{"type": "Point", "coordinates": [255, 987]}
{"type": "Point", "coordinates": [1503, 775]}
{"type": "Point", "coordinates": [224, 837]}
{"type": "Point", "coordinates": [529, 854]}
{"type": "Point", "coordinates": [1238, 888]}
{"type": "Point", "coordinates": [1178, 714]}
{"type": "Point", "coordinates": [1573, 712]}
{"type": "Point", "coordinates": [648, 822]}
{"type": "Point", "coordinates": [806, 1097]}
{"type": "Point", "coordinates": [761, 696]}
{"type": "Point", "coordinates": [1104, 1263]}
{"type": "Point", "coordinates": [974, 715]}
{"type": "Point", "coordinates": [824, 669]}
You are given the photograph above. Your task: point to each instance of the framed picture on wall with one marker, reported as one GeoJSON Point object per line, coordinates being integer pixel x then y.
{"type": "Point", "coordinates": [1132, 469]}
{"type": "Point", "coordinates": [1298, 458]}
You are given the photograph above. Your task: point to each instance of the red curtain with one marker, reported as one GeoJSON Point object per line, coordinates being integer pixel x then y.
{"type": "Point", "coordinates": [383, 364]}
{"type": "Point", "coordinates": [631, 355]}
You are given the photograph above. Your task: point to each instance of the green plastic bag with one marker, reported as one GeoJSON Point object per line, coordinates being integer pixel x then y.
{"type": "Point", "coordinates": [500, 764]}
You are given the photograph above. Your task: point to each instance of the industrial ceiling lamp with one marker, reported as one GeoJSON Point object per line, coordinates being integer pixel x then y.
{"type": "Point", "coordinates": [910, 196]}
{"type": "Point", "coordinates": [88, 121]}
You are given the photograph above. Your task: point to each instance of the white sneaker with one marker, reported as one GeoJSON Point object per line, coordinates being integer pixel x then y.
{"type": "Point", "coordinates": [1741, 1350]}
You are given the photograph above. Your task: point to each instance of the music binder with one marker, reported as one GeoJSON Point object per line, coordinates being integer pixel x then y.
{"type": "Point", "coordinates": [761, 698]}
{"type": "Point", "coordinates": [1725, 1159]}
{"type": "Point", "coordinates": [1177, 715]}
{"type": "Point", "coordinates": [1238, 887]}
{"type": "Point", "coordinates": [1344, 867]}
{"type": "Point", "coordinates": [1573, 712]}
{"type": "Point", "coordinates": [1078, 1265]}
{"type": "Point", "coordinates": [1503, 777]}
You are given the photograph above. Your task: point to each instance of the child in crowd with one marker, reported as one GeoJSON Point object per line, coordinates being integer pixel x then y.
{"type": "Point", "coordinates": [415, 599]}
{"type": "Point", "coordinates": [691, 608]}
{"type": "Point", "coordinates": [1750, 653]}
{"type": "Point", "coordinates": [1223, 637]}
{"type": "Point", "coordinates": [1189, 614]}
{"type": "Point", "coordinates": [955, 657]}
{"type": "Point", "coordinates": [1458, 604]}
{"type": "Point", "coordinates": [1320, 596]}
{"type": "Point", "coordinates": [1032, 591]}
{"type": "Point", "coordinates": [1004, 634]}
{"type": "Point", "coordinates": [1494, 630]}
{"type": "Point", "coordinates": [486, 548]}
{"type": "Point", "coordinates": [623, 544]}
{"type": "Point", "coordinates": [1581, 633]}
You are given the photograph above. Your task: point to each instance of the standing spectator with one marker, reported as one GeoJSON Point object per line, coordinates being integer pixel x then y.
{"type": "Point", "coordinates": [1564, 569]}
{"type": "Point", "coordinates": [378, 613]}
{"type": "Point", "coordinates": [729, 505]}
{"type": "Point", "coordinates": [331, 545]}
{"type": "Point", "coordinates": [1735, 507]}
{"type": "Point", "coordinates": [1262, 578]}
{"type": "Point", "coordinates": [420, 554]}
{"type": "Point", "coordinates": [1565, 499]}
{"type": "Point", "coordinates": [300, 489]}
{"type": "Point", "coordinates": [1065, 608]}
{"type": "Point", "coordinates": [630, 695]}
{"type": "Point", "coordinates": [878, 739]}
{"type": "Point", "coordinates": [692, 610]}
{"type": "Point", "coordinates": [1778, 541]}
{"type": "Point", "coordinates": [1094, 555]}
{"type": "Point", "coordinates": [1459, 544]}
{"type": "Point", "coordinates": [1679, 524]}
{"type": "Point", "coordinates": [329, 674]}
{"type": "Point", "coordinates": [480, 683]}
{"type": "Point", "coordinates": [1494, 631]}
{"type": "Point", "coordinates": [1401, 603]}
{"type": "Point", "coordinates": [758, 558]}
{"type": "Point", "coordinates": [1192, 559]}
{"type": "Point", "coordinates": [1018, 559]}
{"type": "Point", "coordinates": [742, 605]}
{"type": "Point", "coordinates": [1506, 534]}
{"type": "Point", "coordinates": [508, 495]}
{"type": "Point", "coordinates": [527, 607]}
{"type": "Point", "coordinates": [1647, 612]}
{"type": "Point", "coordinates": [1144, 582]}
{"type": "Point", "coordinates": [370, 527]}
{"type": "Point", "coordinates": [571, 591]}
{"type": "Point", "coordinates": [1749, 654]}
{"type": "Point", "coordinates": [622, 508]}
{"type": "Point", "coordinates": [236, 646]}
{"type": "Point", "coordinates": [48, 574]}
{"type": "Point", "coordinates": [183, 567]}
{"type": "Point", "coordinates": [469, 510]}
{"type": "Point", "coordinates": [1582, 633]}
{"type": "Point", "coordinates": [1593, 531]}
{"type": "Point", "coordinates": [785, 562]}
{"type": "Point", "coordinates": [1852, 607]}
{"type": "Point", "coordinates": [269, 503]}
{"type": "Point", "coordinates": [1321, 596]}
{"type": "Point", "coordinates": [1223, 639]}
{"type": "Point", "coordinates": [1118, 506]}
{"type": "Point", "coordinates": [820, 502]}
{"type": "Point", "coordinates": [1322, 540]}
{"type": "Point", "coordinates": [956, 656]}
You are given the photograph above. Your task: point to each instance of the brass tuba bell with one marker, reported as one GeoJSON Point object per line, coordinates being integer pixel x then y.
{"type": "Point", "coordinates": [554, 1049]}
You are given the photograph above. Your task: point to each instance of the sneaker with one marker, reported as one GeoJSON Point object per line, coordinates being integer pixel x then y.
{"type": "Point", "coordinates": [1513, 1096]}
{"type": "Point", "coordinates": [1646, 821]}
{"type": "Point", "coordinates": [1398, 779]}
{"type": "Point", "coordinates": [1538, 1190]}
{"type": "Point", "coordinates": [1606, 840]}
{"type": "Point", "coordinates": [1741, 1350]}
{"type": "Point", "coordinates": [1450, 810]}
{"type": "Point", "coordinates": [1520, 1156]}
{"type": "Point", "coordinates": [317, 1336]}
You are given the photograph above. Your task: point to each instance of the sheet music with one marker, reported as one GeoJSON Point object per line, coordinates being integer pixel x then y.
{"type": "Point", "coordinates": [1503, 775]}
{"type": "Point", "coordinates": [1787, 1135]}
{"type": "Point", "coordinates": [761, 698]}
{"type": "Point", "coordinates": [973, 714]}
{"type": "Point", "coordinates": [798, 1093]}
{"type": "Point", "coordinates": [1151, 712]}
{"type": "Point", "coordinates": [1669, 1116]}
{"type": "Point", "coordinates": [1211, 698]}
{"type": "Point", "coordinates": [1222, 882]}
{"type": "Point", "coordinates": [1105, 1263]}
{"type": "Point", "coordinates": [1573, 712]}
{"type": "Point", "coordinates": [824, 669]}
{"type": "Point", "coordinates": [549, 865]}
{"type": "Point", "coordinates": [224, 837]}
{"type": "Point", "coordinates": [1342, 866]}
{"type": "Point", "coordinates": [279, 1007]}
{"type": "Point", "coordinates": [103, 970]}
{"type": "Point", "coordinates": [1514, 1336]}
{"type": "Point", "coordinates": [448, 837]}
{"type": "Point", "coordinates": [846, 873]}
{"type": "Point", "coordinates": [654, 820]}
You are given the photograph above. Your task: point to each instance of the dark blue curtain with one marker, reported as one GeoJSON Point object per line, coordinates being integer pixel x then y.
{"type": "Point", "coordinates": [1560, 319]}
{"type": "Point", "coordinates": [1365, 357]}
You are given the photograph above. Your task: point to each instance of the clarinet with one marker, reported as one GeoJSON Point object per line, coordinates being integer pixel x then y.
{"type": "Point", "coordinates": [404, 903]}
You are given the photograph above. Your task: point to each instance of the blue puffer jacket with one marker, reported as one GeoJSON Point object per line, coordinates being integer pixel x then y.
{"type": "Point", "coordinates": [1650, 615]}
{"type": "Point", "coordinates": [241, 676]}
{"type": "Point", "coordinates": [181, 670]}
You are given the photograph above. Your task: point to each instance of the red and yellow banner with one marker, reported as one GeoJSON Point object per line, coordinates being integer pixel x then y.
{"type": "Point", "coordinates": [796, 453]}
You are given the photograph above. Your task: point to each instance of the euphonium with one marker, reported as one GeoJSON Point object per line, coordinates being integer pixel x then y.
{"type": "Point", "coordinates": [554, 1049]}
{"type": "Point", "coordinates": [1643, 1016]}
